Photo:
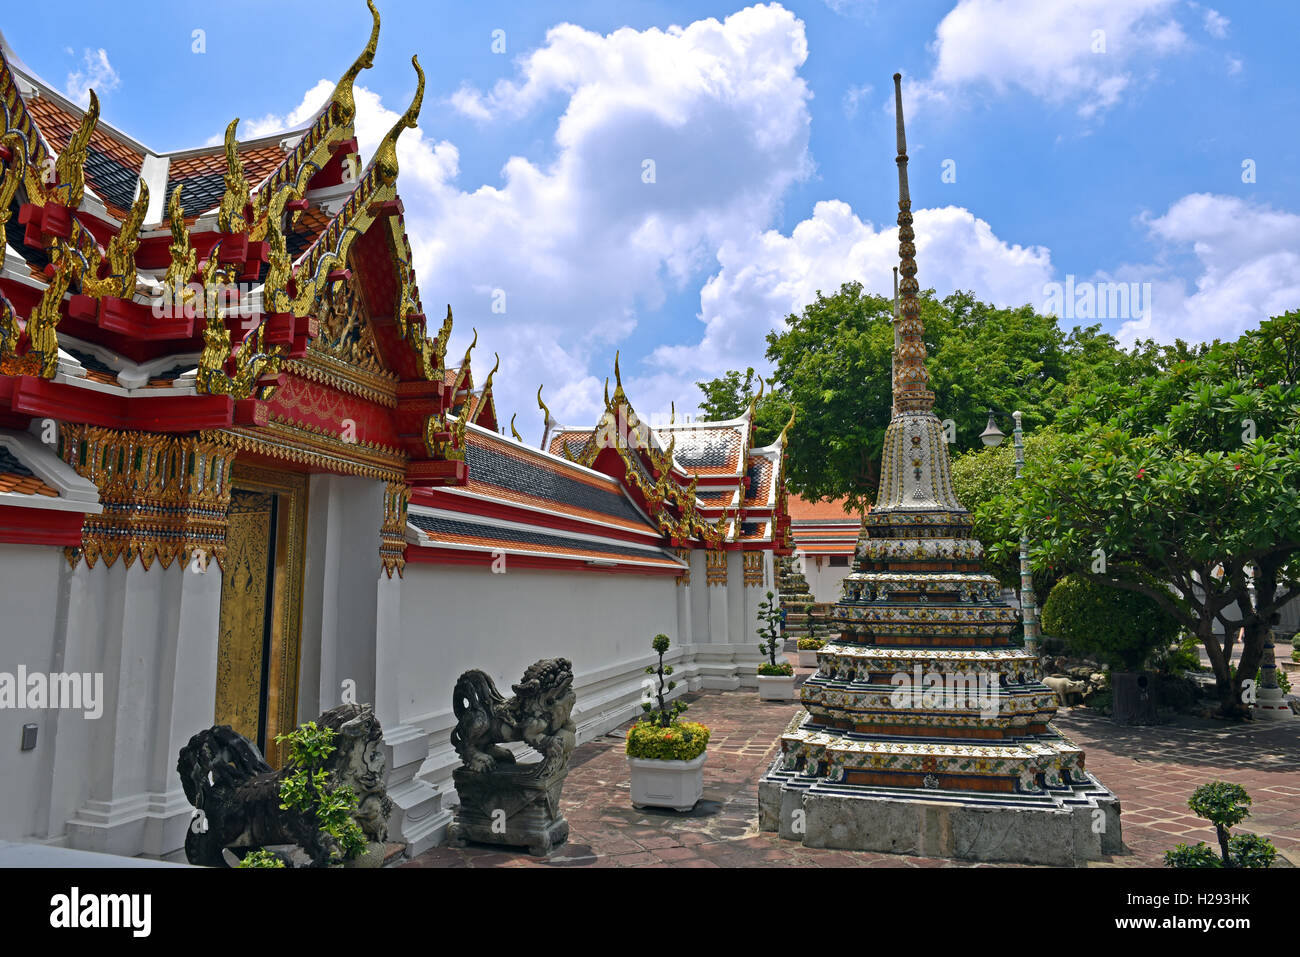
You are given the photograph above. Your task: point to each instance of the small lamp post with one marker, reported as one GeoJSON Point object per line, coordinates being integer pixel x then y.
{"type": "Point", "coordinates": [992, 435]}
{"type": "Point", "coordinates": [1028, 602]}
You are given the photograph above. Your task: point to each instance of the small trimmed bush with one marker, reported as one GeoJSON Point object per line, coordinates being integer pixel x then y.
{"type": "Point", "coordinates": [811, 644]}
{"type": "Point", "coordinates": [680, 741]}
{"type": "Point", "coordinates": [782, 670]}
{"type": "Point", "coordinates": [1120, 628]}
{"type": "Point", "coordinates": [1225, 806]}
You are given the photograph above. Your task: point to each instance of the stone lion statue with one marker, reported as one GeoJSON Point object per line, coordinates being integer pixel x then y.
{"type": "Point", "coordinates": [539, 715]}
{"type": "Point", "coordinates": [237, 793]}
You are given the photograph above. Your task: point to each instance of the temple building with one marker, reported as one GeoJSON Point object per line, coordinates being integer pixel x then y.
{"type": "Point", "coordinates": [241, 482]}
{"type": "Point", "coordinates": [925, 729]}
{"type": "Point", "coordinates": [824, 537]}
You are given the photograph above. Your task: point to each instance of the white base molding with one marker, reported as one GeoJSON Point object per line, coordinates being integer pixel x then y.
{"type": "Point", "coordinates": [148, 823]}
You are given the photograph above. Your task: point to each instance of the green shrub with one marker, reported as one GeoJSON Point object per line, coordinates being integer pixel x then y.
{"type": "Point", "coordinates": [261, 858]}
{"type": "Point", "coordinates": [811, 644]}
{"type": "Point", "coordinates": [680, 741]}
{"type": "Point", "coordinates": [769, 670]}
{"type": "Point", "coordinates": [1121, 628]}
{"type": "Point", "coordinates": [307, 790]}
{"type": "Point", "coordinates": [1225, 806]}
{"type": "Point", "coordinates": [1201, 855]}
{"type": "Point", "coordinates": [1177, 660]}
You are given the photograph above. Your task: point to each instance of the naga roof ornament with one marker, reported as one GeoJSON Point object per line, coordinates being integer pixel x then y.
{"type": "Point", "coordinates": [345, 107]}
{"type": "Point", "coordinates": [385, 161]}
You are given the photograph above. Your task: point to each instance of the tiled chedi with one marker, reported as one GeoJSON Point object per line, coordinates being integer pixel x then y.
{"type": "Point", "coordinates": [921, 695]}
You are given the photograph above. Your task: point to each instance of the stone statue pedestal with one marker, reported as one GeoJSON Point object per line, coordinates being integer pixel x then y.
{"type": "Point", "coordinates": [512, 806]}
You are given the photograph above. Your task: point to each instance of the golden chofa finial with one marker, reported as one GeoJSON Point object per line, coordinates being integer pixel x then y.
{"type": "Point", "coordinates": [513, 431]}
{"type": "Point", "coordinates": [345, 107]}
{"type": "Point", "coordinates": [463, 371]}
{"type": "Point", "coordinates": [487, 383]}
{"type": "Point", "coordinates": [753, 402]}
{"type": "Point", "coordinates": [386, 154]}
{"type": "Point", "coordinates": [71, 164]}
{"type": "Point", "coordinates": [780, 439]}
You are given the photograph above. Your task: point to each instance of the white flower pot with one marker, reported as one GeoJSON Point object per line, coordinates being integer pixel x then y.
{"type": "Point", "coordinates": [674, 784]}
{"type": "Point", "coordinates": [807, 658]}
{"type": "Point", "coordinates": [776, 687]}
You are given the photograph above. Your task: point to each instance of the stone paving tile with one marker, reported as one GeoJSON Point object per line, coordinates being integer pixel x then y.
{"type": "Point", "coordinates": [1152, 770]}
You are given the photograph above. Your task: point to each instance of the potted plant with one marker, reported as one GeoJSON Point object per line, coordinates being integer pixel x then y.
{"type": "Point", "coordinates": [808, 648]}
{"type": "Point", "coordinates": [775, 680]}
{"type": "Point", "coordinates": [665, 755]}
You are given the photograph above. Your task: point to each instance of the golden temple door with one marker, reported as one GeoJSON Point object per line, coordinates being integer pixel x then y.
{"type": "Point", "coordinates": [261, 606]}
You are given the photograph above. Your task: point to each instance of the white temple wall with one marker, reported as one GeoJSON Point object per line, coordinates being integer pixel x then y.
{"type": "Point", "coordinates": [31, 577]}
{"type": "Point", "coordinates": [825, 582]}
{"type": "Point", "coordinates": [339, 602]}
{"type": "Point", "coordinates": [153, 635]}
{"type": "Point", "coordinates": [454, 618]}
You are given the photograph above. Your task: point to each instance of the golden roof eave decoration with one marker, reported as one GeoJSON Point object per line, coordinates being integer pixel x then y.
{"type": "Point", "coordinates": [385, 159]}
{"type": "Point", "coordinates": [342, 101]}
{"type": "Point", "coordinates": [122, 248]}
{"type": "Point", "coordinates": [70, 167]}
{"type": "Point", "coordinates": [28, 166]}
{"type": "Point", "coordinates": [230, 215]}
{"type": "Point", "coordinates": [184, 257]}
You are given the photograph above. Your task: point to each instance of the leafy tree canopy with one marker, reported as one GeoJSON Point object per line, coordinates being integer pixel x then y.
{"type": "Point", "coordinates": [1189, 477]}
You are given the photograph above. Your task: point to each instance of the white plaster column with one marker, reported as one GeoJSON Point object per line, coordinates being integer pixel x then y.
{"type": "Point", "coordinates": [418, 818]}
{"type": "Point", "coordinates": [716, 668]}
{"type": "Point", "coordinates": [153, 635]}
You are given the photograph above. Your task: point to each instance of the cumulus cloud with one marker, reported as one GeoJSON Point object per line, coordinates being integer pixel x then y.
{"type": "Point", "coordinates": [1075, 52]}
{"type": "Point", "coordinates": [1248, 256]}
{"type": "Point", "coordinates": [766, 277]}
{"type": "Point", "coordinates": [95, 74]}
{"type": "Point", "coordinates": [1216, 24]}
{"type": "Point", "coordinates": [668, 144]}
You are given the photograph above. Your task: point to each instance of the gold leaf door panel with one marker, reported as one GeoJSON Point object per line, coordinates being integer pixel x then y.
{"type": "Point", "coordinates": [247, 587]}
{"type": "Point", "coordinates": [260, 629]}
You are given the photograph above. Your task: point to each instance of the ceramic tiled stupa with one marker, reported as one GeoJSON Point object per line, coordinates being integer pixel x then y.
{"type": "Point", "coordinates": [925, 730]}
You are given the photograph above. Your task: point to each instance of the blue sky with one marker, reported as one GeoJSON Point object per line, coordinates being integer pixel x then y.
{"type": "Point", "coordinates": [1111, 156]}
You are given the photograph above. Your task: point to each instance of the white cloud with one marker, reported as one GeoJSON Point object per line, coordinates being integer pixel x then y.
{"type": "Point", "coordinates": [765, 278]}
{"type": "Point", "coordinates": [582, 245]}
{"type": "Point", "coordinates": [96, 74]}
{"type": "Point", "coordinates": [853, 96]}
{"type": "Point", "coordinates": [1248, 255]}
{"type": "Point", "coordinates": [1080, 53]}
{"type": "Point", "coordinates": [1216, 24]}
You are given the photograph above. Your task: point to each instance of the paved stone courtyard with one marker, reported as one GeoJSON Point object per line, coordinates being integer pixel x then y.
{"type": "Point", "coordinates": [1152, 770]}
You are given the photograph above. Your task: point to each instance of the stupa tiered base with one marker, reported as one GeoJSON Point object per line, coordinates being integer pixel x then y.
{"type": "Point", "coordinates": [1072, 819]}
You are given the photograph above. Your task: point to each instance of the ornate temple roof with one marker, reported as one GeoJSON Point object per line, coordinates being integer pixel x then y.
{"type": "Point", "coordinates": [700, 480]}
{"type": "Point", "coordinates": [257, 298]}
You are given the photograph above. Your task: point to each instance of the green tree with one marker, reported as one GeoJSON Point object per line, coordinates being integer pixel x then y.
{"type": "Point", "coordinates": [1121, 628]}
{"type": "Point", "coordinates": [983, 475]}
{"type": "Point", "coordinates": [833, 362]}
{"type": "Point", "coordinates": [1188, 480]}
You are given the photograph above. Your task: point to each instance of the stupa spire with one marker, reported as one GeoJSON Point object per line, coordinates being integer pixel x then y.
{"type": "Point", "coordinates": [911, 381]}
